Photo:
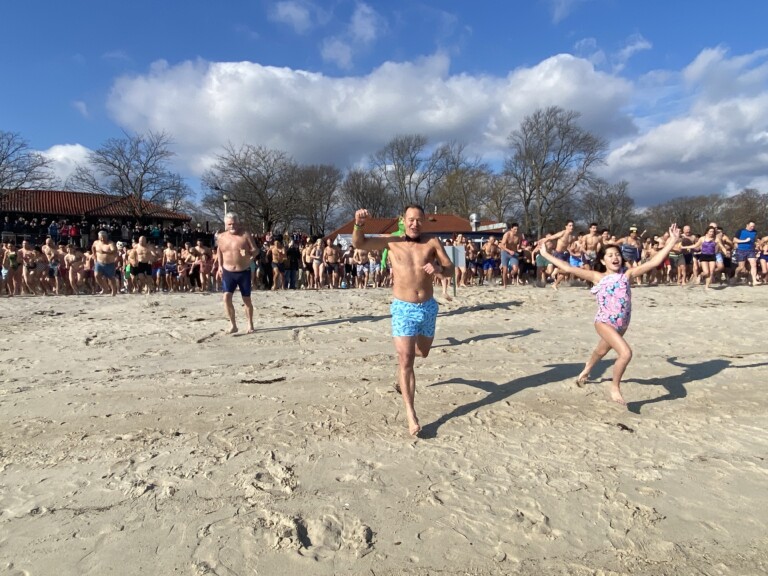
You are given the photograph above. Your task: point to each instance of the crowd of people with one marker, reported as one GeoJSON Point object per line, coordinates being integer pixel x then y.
{"type": "Point", "coordinates": [147, 259]}
{"type": "Point", "coordinates": [83, 231]}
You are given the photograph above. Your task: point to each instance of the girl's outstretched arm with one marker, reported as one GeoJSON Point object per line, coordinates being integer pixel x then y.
{"type": "Point", "coordinates": [658, 258]}
{"type": "Point", "coordinates": [588, 275]}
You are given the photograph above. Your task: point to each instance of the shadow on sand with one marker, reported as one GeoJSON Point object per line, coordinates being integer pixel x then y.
{"type": "Point", "coordinates": [498, 392]}
{"type": "Point", "coordinates": [480, 337]}
{"type": "Point", "coordinates": [675, 385]}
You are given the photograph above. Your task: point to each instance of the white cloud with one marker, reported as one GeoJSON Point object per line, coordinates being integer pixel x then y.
{"type": "Point", "coordinates": [342, 120]}
{"type": "Point", "coordinates": [561, 9]}
{"type": "Point", "coordinates": [294, 13]}
{"type": "Point", "coordinates": [364, 28]}
{"type": "Point", "coordinates": [116, 56]}
{"type": "Point", "coordinates": [365, 24]}
{"type": "Point", "coordinates": [635, 43]}
{"type": "Point", "coordinates": [65, 158]}
{"type": "Point", "coordinates": [81, 107]}
{"type": "Point", "coordinates": [668, 135]}
{"type": "Point", "coordinates": [338, 52]}
{"type": "Point", "coordinates": [715, 142]}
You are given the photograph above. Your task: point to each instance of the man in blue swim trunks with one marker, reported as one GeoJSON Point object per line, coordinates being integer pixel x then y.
{"type": "Point", "coordinates": [414, 260]}
{"type": "Point", "coordinates": [236, 250]}
{"type": "Point", "coordinates": [745, 252]}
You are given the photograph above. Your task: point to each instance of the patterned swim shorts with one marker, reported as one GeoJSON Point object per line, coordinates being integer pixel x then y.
{"type": "Point", "coordinates": [414, 319]}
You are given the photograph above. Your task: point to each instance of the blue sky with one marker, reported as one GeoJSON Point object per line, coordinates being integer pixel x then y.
{"type": "Point", "coordinates": [679, 89]}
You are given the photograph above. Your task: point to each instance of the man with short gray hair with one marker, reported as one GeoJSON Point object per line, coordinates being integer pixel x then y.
{"type": "Point", "coordinates": [236, 250]}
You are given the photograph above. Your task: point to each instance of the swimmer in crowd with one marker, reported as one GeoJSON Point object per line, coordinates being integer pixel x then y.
{"type": "Point", "coordinates": [612, 288]}
{"type": "Point", "coordinates": [414, 260]}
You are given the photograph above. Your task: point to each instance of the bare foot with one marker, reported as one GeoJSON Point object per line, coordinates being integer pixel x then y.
{"type": "Point", "coordinates": [616, 395]}
{"type": "Point", "coordinates": [413, 425]}
{"type": "Point", "coordinates": [250, 330]}
{"type": "Point", "coordinates": [581, 380]}
{"type": "Point", "coordinates": [449, 298]}
{"type": "Point", "coordinates": [232, 330]}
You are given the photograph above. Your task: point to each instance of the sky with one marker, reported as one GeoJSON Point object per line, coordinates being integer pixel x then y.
{"type": "Point", "coordinates": [678, 89]}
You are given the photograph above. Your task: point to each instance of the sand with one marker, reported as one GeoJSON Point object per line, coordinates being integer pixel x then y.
{"type": "Point", "coordinates": [137, 438]}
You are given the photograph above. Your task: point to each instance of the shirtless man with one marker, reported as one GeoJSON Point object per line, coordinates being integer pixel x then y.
{"type": "Point", "coordinates": [171, 267]}
{"type": "Point", "coordinates": [278, 264]}
{"type": "Point", "coordinates": [510, 255]}
{"type": "Point", "coordinates": [592, 242]}
{"type": "Point", "coordinates": [490, 252]}
{"type": "Point", "coordinates": [686, 261]}
{"type": "Point", "coordinates": [142, 271]}
{"type": "Point", "coordinates": [29, 256]}
{"type": "Point", "coordinates": [331, 258]}
{"type": "Point", "coordinates": [105, 252]}
{"type": "Point", "coordinates": [414, 310]}
{"type": "Point", "coordinates": [76, 264]}
{"type": "Point", "coordinates": [54, 265]}
{"type": "Point", "coordinates": [563, 240]}
{"type": "Point", "coordinates": [235, 252]}
{"type": "Point", "coordinates": [360, 258]}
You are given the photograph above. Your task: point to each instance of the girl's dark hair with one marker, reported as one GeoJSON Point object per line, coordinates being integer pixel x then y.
{"type": "Point", "coordinates": [599, 266]}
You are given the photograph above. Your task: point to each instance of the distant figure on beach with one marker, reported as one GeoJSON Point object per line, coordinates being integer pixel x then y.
{"type": "Point", "coordinates": [612, 281]}
{"type": "Point", "coordinates": [236, 249]}
{"type": "Point", "coordinates": [414, 261]}
{"type": "Point", "coordinates": [105, 252]}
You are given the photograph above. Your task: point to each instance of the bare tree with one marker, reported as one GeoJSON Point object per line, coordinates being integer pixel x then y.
{"type": "Point", "coordinates": [367, 189]}
{"type": "Point", "coordinates": [409, 172]}
{"type": "Point", "coordinates": [260, 183]}
{"type": "Point", "coordinates": [551, 157]}
{"type": "Point", "coordinates": [610, 205]}
{"type": "Point", "coordinates": [499, 200]}
{"type": "Point", "coordinates": [464, 186]}
{"type": "Point", "coordinates": [748, 205]}
{"type": "Point", "coordinates": [134, 167]}
{"type": "Point", "coordinates": [695, 211]}
{"type": "Point", "coordinates": [318, 189]}
{"type": "Point", "coordinates": [21, 167]}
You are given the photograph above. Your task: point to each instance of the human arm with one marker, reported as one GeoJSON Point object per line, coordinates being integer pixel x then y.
{"type": "Point", "coordinates": [659, 257]}
{"type": "Point", "coordinates": [444, 267]}
{"type": "Point", "coordinates": [588, 275]}
{"type": "Point", "coordinates": [360, 240]}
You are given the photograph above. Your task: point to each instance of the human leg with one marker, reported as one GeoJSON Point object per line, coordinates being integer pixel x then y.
{"type": "Point", "coordinates": [405, 347]}
{"type": "Point", "coordinates": [753, 270]}
{"type": "Point", "coordinates": [624, 354]}
{"type": "Point", "coordinates": [249, 313]}
{"type": "Point", "coordinates": [598, 353]}
{"type": "Point", "coordinates": [230, 308]}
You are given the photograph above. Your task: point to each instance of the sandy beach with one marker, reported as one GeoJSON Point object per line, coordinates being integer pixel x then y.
{"type": "Point", "coordinates": [137, 438]}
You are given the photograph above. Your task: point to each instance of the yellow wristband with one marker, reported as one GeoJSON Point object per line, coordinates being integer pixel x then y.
{"type": "Point", "coordinates": [358, 226]}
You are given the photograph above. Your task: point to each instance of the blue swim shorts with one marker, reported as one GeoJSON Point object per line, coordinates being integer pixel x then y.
{"type": "Point", "coordinates": [236, 279]}
{"type": "Point", "coordinates": [509, 260]}
{"type": "Point", "coordinates": [414, 319]}
{"type": "Point", "coordinates": [107, 270]}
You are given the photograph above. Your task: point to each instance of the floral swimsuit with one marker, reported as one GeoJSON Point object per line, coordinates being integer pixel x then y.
{"type": "Point", "coordinates": [614, 301]}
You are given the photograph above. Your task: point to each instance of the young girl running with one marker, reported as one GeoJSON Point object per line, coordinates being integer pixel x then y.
{"type": "Point", "coordinates": [614, 303]}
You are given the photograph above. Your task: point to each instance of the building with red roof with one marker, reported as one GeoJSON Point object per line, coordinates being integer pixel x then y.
{"type": "Point", "coordinates": [71, 205]}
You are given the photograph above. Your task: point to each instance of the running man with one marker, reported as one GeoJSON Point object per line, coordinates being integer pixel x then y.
{"type": "Point", "coordinates": [105, 252]}
{"type": "Point", "coordinates": [236, 249]}
{"type": "Point", "coordinates": [414, 310]}
{"type": "Point", "coordinates": [510, 255]}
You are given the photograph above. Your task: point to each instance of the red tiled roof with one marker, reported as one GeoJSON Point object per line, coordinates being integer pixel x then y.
{"type": "Point", "coordinates": [433, 224]}
{"type": "Point", "coordinates": [65, 203]}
